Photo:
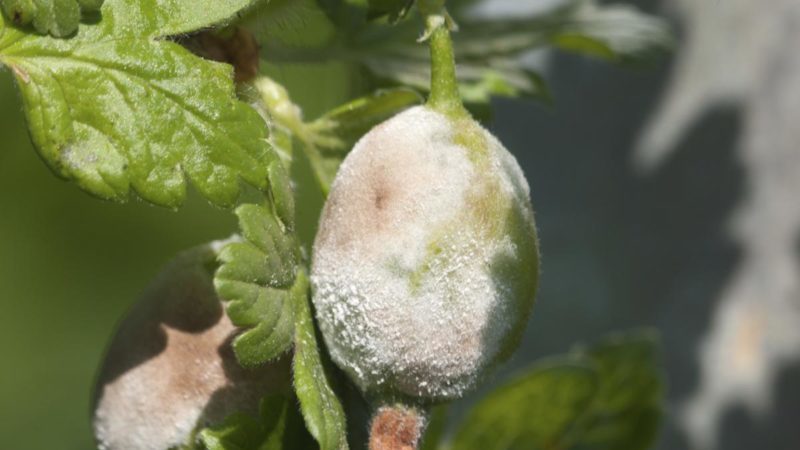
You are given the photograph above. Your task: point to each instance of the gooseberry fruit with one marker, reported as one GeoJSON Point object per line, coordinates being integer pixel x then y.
{"type": "Point", "coordinates": [425, 264]}
{"type": "Point", "coordinates": [170, 368]}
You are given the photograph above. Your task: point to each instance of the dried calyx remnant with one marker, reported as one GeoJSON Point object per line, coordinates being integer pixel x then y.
{"type": "Point", "coordinates": [170, 368]}
{"type": "Point", "coordinates": [426, 264]}
{"type": "Point", "coordinates": [396, 428]}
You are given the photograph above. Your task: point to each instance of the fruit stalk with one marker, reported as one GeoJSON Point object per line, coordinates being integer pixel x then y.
{"type": "Point", "coordinates": [444, 96]}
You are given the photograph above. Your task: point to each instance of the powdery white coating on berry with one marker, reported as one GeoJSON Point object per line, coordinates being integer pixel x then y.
{"type": "Point", "coordinates": [413, 271]}
{"type": "Point", "coordinates": [170, 367]}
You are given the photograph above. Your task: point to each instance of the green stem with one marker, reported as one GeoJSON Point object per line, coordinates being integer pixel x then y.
{"type": "Point", "coordinates": [444, 96]}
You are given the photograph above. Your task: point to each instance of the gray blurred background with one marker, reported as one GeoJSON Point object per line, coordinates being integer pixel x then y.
{"type": "Point", "coordinates": [665, 197]}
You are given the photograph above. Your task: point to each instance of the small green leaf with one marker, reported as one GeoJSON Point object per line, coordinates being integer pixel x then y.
{"type": "Point", "coordinates": [59, 18]}
{"type": "Point", "coordinates": [532, 412]}
{"type": "Point", "coordinates": [279, 427]}
{"type": "Point", "coordinates": [257, 277]}
{"type": "Point", "coordinates": [605, 397]}
{"type": "Point", "coordinates": [321, 408]}
{"type": "Point", "coordinates": [117, 111]}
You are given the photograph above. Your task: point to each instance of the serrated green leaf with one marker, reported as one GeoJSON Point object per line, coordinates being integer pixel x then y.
{"type": "Point", "coordinates": [279, 427]}
{"type": "Point", "coordinates": [115, 110]}
{"type": "Point", "coordinates": [151, 17]}
{"type": "Point", "coordinates": [605, 397]}
{"type": "Point", "coordinates": [274, 243]}
{"type": "Point", "coordinates": [313, 379]}
{"type": "Point", "coordinates": [257, 278]}
{"type": "Point", "coordinates": [60, 18]}
{"type": "Point", "coordinates": [532, 412]}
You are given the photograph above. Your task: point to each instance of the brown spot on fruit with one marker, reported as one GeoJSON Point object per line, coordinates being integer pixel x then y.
{"type": "Point", "coordinates": [380, 198]}
{"type": "Point", "coordinates": [170, 367]}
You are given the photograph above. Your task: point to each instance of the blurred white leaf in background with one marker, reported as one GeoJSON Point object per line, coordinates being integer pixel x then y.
{"type": "Point", "coordinates": [743, 53]}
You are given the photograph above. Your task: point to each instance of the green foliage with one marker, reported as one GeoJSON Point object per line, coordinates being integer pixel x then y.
{"type": "Point", "coordinates": [532, 412]}
{"type": "Point", "coordinates": [157, 113]}
{"type": "Point", "coordinates": [118, 107]}
{"type": "Point", "coordinates": [605, 397]}
{"type": "Point", "coordinates": [314, 380]}
{"type": "Point", "coordinates": [279, 426]}
{"type": "Point", "coordinates": [489, 51]}
{"type": "Point", "coordinates": [157, 18]}
{"type": "Point", "coordinates": [626, 409]}
{"type": "Point", "coordinates": [257, 277]}
{"type": "Point", "coordinates": [60, 18]}
{"type": "Point", "coordinates": [160, 114]}
{"type": "Point", "coordinates": [618, 33]}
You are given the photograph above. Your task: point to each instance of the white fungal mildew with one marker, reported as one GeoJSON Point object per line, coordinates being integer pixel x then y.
{"type": "Point", "coordinates": [425, 263]}
{"type": "Point", "coordinates": [170, 369]}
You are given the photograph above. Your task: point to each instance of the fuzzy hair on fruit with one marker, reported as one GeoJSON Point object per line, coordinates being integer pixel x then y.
{"type": "Point", "coordinates": [425, 264]}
